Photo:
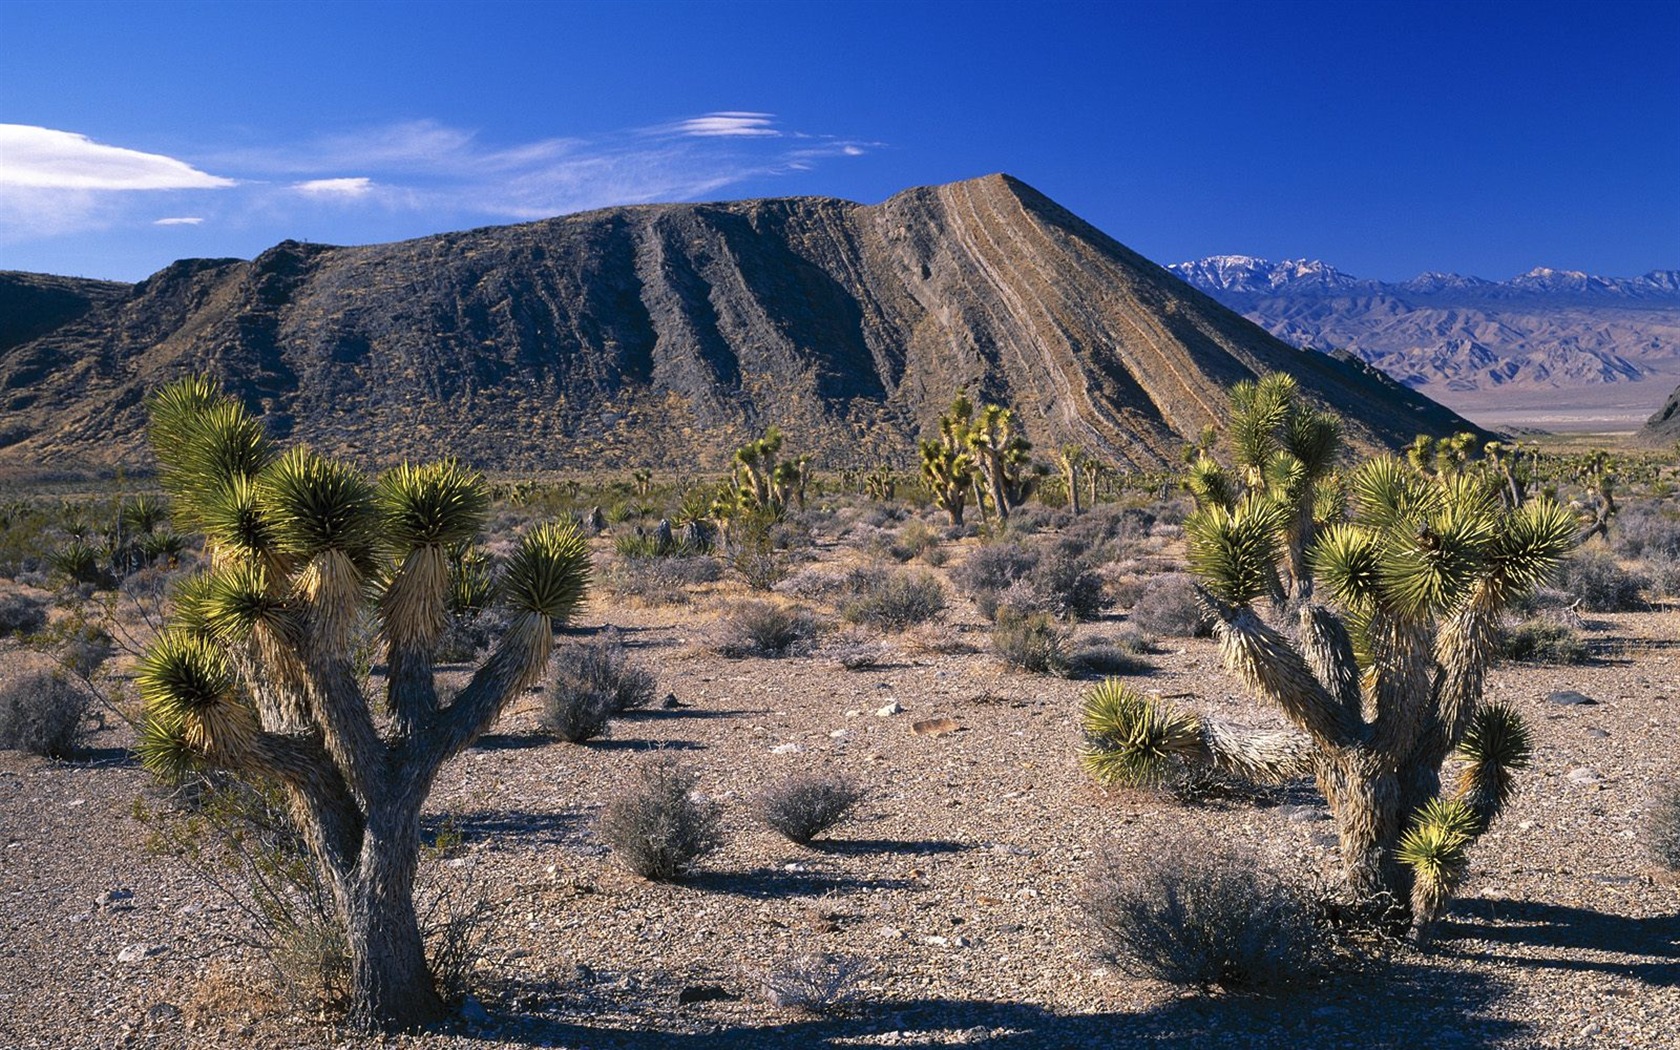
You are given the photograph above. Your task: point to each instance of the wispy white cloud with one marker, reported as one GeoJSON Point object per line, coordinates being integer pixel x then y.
{"type": "Point", "coordinates": [43, 158]}
{"type": "Point", "coordinates": [415, 177]}
{"type": "Point", "coordinates": [359, 186]}
{"type": "Point", "coordinates": [728, 124]}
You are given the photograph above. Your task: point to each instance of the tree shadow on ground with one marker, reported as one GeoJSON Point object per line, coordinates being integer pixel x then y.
{"type": "Point", "coordinates": [857, 847]}
{"type": "Point", "coordinates": [511, 741]}
{"type": "Point", "coordinates": [653, 714]}
{"type": "Point", "coordinates": [508, 825]}
{"type": "Point", "coordinates": [600, 744]}
{"type": "Point", "coordinates": [777, 883]}
{"type": "Point", "coordinates": [1383, 1009]}
{"type": "Point", "coordinates": [1574, 930]}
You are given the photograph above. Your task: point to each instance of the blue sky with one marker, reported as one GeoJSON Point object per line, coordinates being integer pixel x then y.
{"type": "Point", "coordinates": [1385, 138]}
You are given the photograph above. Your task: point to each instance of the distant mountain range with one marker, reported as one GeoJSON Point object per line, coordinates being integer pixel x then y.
{"type": "Point", "coordinates": [1448, 334]}
{"type": "Point", "coordinates": [669, 335]}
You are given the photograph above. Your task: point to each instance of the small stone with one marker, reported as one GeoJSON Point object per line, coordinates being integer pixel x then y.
{"type": "Point", "coordinates": [1303, 814]}
{"type": "Point", "coordinates": [889, 710]}
{"type": "Point", "coordinates": [1569, 698]}
{"type": "Point", "coordinates": [785, 749]}
{"type": "Point", "coordinates": [937, 942]}
{"type": "Point", "coordinates": [837, 733]}
{"type": "Point", "coordinates": [473, 1011]}
{"type": "Point", "coordinates": [1598, 734]}
{"type": "Point", "coordinates": [117, 900]}
{"type": "Point", "coordinates": [163, 1012]}
{"type": "Point", "coordinates": [1584, 775]}
{"type": "Point", "coordinates": [1525, 825]}
{"type": "Point", "coordinates": [671, 702]}
{"type": "Point", "coordinates": [136, 952]}
{"type": "Point", "coordinates": [891, 933]}
{"type": "Point", "coordinates": [1592, 1029]}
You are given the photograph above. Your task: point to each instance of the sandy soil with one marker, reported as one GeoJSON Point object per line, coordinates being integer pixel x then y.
{"type": "Point", "coordinates": [957, 881]}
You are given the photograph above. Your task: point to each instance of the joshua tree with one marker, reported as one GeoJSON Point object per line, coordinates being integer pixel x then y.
{"type": "Point", "coordinates": [947, 465]}
{"type": "Point", "coordinates": [257, 672]}
{"type": "Point", "coordinates": [1283, 449]}
{"type": "Point", "coordinates": [1000, 457]}
{"type": "Point", "coordinates": [1381, 689]}
{"type": "Point", "coordinates": [1598, 475]}
{"type": "Point", "coordinates": [766, 483]}
{"type": "Point", "coordinates": [1074, 463]}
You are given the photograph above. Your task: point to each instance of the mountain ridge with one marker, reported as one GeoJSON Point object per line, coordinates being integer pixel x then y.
{"type": "Point", "coordinates": [669, 334]}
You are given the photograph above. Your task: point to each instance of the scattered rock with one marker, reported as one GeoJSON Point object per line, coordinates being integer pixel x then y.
{"type": "Point", "coordinates": [136, 952]}
{"type": "Point", "coordinates": [1569, 698]}
{"type": "Point", "coordinates": [671, 702]}
{"type": "Point", "coordinates": [786, 749]}
{"type": "Point", "coordinates": [705, 993]}
{"type": "Point", "coordinates": [889, 710]}
{"type": "Point", "coordinates": [935, 727]}
{"type": "Point", "coordinates": [163, 1012]}
{"type": "Point", "coordinates": [117, 900]}
{"type": "Point", "coordinates": [1598, 734]}
{"type": "Point", "coordinates": [1583, 775]}
{"type": "Point", "coordinates": [1303, 814]}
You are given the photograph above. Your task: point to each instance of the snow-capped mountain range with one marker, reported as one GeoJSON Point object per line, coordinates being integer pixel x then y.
{"type": "Point", "coordinates": [1450, 334]}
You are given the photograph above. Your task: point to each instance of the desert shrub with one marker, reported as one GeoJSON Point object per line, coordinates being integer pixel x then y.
{"type": "Point", "coordinates": [575, 714]}
{"type": "Point", "coordinates": [755, 554]}
{"type": "Point", "coordinates": [466, 635]}
{"type": "Point", "coordinates": [1031, 642]}
{"type": "Point", "coordinates": [1542, 640]}
{"type": "Point", "coordinates": [1169, 607]}
{"type": "Point", "coordinates": [602, 665]}
{"type": "Point", "coordinates": [656, 827]}
{"type": "Point", "coordinates": [21, 614]}
{"type": "Point", "coordinates": [915, 540]}
{"type": "Point", "coordinates": [81, 563]}
{"type": "Point", "coordinates": [988, 571]}
{"type": "Point", "coordinates": [1119, 654]}
{"type": "Point", "coordinates": [661, 581]}
{"type": "Point", "coordinates": [1662, 827]}
{"type": "Point", "coordinates": [1201, 915]}
{"type": "Point", "coordinates": [1600, 583]}
{"type": "Point", "coordinates": [761, 628]}
{"type": "Point", "coordinates": [894, 601]}
{"type": "Point", "coordinates": [1662, 573]}
{"type": "Point", "coordinates": [42, 712]}
{"type": "Point", "coordinates": [802, 806]}
{"type": "Point", "coordinates": [1645, 531]}
{"type": "Point", "coordinates": [815, 983]}
{"type": "Point", "coordinates": [1068, 586]}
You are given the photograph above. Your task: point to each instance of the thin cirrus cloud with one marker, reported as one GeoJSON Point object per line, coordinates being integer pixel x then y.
{"type": "Point", "coordinates": [419, 175]}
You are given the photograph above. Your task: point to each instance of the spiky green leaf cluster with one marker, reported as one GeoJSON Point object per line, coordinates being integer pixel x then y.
{"type": "Point", "coordinates": [548, 572]}
{"type": "Point", "coordinates": [1133, 739]}
{"type": "Point", "coordinates": [234, 599]}
{"type": "Point", "coordinates": [439, 503]}
{"type": "Point", "coordinates": [163, 749]}
{"type": "Point", "coordinates": [315, 504]}
{"type": "Point", "coordinates": [1235, 552]}
{"type": "Point", "coordinates": [1436, 844]}
{"type": "Point", "coordinates": [1495, 745]}
{"type": "Point", "coordinates": [184, 675]}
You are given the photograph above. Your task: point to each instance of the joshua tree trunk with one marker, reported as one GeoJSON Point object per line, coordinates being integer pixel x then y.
{"type": "Point", "coordinates": [389, 978]}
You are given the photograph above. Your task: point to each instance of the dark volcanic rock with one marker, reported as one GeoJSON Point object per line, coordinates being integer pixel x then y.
{"type": "Point", "coordinates": [669, 334]}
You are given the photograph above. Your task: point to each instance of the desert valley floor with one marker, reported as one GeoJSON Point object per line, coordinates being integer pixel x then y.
{"type": "Point", "coordinates": [956, 883]}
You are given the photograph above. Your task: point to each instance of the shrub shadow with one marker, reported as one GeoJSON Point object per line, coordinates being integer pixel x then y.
{"type": "Point", "coordinates": [509, 825]}
{"type": "Point", "coordinates": [780, 882]}
{"type": "Point", "coordinates": [1385, 1009]}
{"type": "Point", "coordinates": [856, 847]}
{"type": "Point", "coordinates": [1575, 930]}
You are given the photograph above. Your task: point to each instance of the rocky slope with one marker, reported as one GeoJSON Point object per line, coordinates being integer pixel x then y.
{"type": "Point", "coordinates": [1447, 334]}
{"type": "Point", "coordinates": [668, 334]}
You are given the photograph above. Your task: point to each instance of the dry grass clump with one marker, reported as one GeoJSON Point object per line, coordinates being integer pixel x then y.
{"type": "Point", "coordinates": [816, 983]}
{"type": "Point", "coordinates": [1169, 608]}
{"type": "Point", "coordinates": [22, 613]}
{"type": "Point", "coordinates": [1599, 582]}
{"type": "Point", "coordinates": [1543, 640]}
{"type": "Point", "coordinates": [661, 581]}
{"type": "Point", "coordinates": [1120, 653]}
{"type": "Point", "coordinates": [42, 712]}
{"type": "Point", "coordinates": [656, 827]}
{"type": "Point", "coordinates": [894, 601]}
{"type": "Point", "coordinates": [802, 806]}
{"type": "Point", "coordinates": [1662, 827]}
{"type": "Point", "coordinates": [763, 628]}
{"type": "Point", "coordinates": [1203, 916]}
{"type": "Point", "coordinates": [1031, 642]}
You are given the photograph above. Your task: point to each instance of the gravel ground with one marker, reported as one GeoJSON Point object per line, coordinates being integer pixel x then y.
{"type": "Point", "coordinates": [955, 883]}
